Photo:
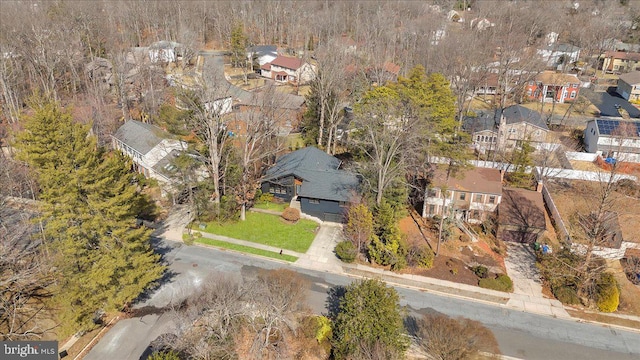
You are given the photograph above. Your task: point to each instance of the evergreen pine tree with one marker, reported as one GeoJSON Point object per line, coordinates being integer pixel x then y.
{"type": "Point", "coordinates": [89, 205]}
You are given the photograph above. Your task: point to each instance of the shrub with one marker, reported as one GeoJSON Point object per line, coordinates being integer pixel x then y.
{"type": "Point", "coordinates": [324, 328]}
{"type": "Point", "coordinates": [500, 283]}
{"type": "Point", "coordinates": [566, 294]}
{"type": "Point", "coordinates": [291, 214]}
{"type": "Point", "coordinates": [480, 271]}
{"type": "Point", "coordinates": [419, 256]}
{"type": "Point", "coordinates": [265, 198]}
{"type": "Point", "coordinates": [607, 293]}
{"type": "Point", "coordinates": [346, 251]}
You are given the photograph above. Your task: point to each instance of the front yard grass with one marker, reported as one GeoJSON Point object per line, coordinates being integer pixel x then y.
{"type": "Point", "coordinates": [270, 205]}
{"type": "Point", "coordinates": [269, 230]}
{"type": "Point", "coordinates": [246, 249]}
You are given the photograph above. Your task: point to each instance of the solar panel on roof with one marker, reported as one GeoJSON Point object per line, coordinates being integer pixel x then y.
{"type": "Point", "coordinates": [608, 127]}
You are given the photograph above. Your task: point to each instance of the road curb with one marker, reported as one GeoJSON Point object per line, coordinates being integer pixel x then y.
{"type": "Point", "coordinates": [240, 252]}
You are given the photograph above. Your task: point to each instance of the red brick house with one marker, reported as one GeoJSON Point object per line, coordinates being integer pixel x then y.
{"type": "Point", "coordinates": [550, 86]}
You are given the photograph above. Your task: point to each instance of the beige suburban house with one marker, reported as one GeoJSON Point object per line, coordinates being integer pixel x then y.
{"type": "Point", "coordinates": [629, 86]}
{"type": "Point", "coordinates": [505, 129]}
{"type": "Point", "coordinates": [469, 196]}
{"type": "Point", "coordinates": [620, 62]}
{"type": "Point", "coordinates": [519, 124]}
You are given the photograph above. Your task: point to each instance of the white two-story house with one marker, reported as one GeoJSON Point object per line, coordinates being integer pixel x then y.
{"type": "Point", "coordinates": [470, 195]}
{"type": "Point", "coordinates": [285, 69]}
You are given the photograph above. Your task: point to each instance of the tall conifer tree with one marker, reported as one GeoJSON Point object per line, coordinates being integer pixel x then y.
{"type": "Point", "coordinates": [89, 203]}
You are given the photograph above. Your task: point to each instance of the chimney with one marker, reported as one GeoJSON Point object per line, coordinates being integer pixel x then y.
{"type": "Point", "coordinates": [539, 187]}
{"type": "Point", "coordinates": [501, 175]}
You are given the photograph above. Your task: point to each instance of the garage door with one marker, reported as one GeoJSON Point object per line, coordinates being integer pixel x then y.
{"type": "Point", "coordinates": [332, 217]}
{"type": "Point", "coordinates": [518, 236]}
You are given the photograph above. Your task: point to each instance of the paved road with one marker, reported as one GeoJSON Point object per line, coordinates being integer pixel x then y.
{"type": "Point", "coordinates": [519, 334]}
{"type": "Point", "coordinates": [605, 101]}
{"type": "Point", "coordinates": [213, 73]}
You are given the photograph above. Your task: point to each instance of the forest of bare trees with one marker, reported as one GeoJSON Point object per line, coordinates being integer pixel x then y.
{"type": "Point", "coordinates": [47, 45]}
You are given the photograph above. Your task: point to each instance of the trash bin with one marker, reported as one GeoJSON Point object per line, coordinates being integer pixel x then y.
{"type": "Point", "coordinates": [536, 246]}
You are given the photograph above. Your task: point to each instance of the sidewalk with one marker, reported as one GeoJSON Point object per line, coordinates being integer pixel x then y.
{"type": "Point", "coordinates": [320, 257]}
{"type": "Point", "coordinates": [251, 244]}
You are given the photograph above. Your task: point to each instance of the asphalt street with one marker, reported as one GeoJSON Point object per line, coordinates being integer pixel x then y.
{"type": "Point", "coordinates": [606, 102]}
{"type": "Point", "coordinates": [520, 335]}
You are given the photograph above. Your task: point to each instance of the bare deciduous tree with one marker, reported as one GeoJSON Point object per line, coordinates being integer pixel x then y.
{"type": "Point", "coordinates": [26, 275]}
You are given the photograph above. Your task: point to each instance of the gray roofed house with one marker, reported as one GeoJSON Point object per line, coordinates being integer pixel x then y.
{"type": "Point", "coordinates": [313, 178]}
{"type": "Point", "coordinates": [151, 149]}
{"type": "Point", "coordinates": [519, 124]}
{"type": "Point", "coordinates": [505, 128]}
{"type": "Point", "coordinates": [517, 113]}
{"type": "Point", "coordinates": [141, 137]}
{"type": "Point", "coordinates": [629, 86]}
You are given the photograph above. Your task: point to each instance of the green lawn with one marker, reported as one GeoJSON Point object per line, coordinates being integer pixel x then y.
{"type": "Point", "coordinates": [268, 230]}
{"type": "Point", "coordinates": [270, 205]}
{"type": "Point", "coordinates": [246, 249]}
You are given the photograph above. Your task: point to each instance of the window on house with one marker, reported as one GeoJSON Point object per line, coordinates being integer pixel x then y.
{"type": "Point", "coordinates": [432, 209]}
{"type": "Point", "coordinates": [573, 94]}
{"type": "Point", "coordinates": [475, 214]}
{"type": "Point", "coordinates": [432, 193]}
{"type": "Point", "coordinates": [492, 199]}
{"type": "Point", "coordinates": [478, 197]}
{"type": "Point", "coordinates": [277, 189]}
{"type": "Point", "coordinates": [314, 201]}
{"type": "Point", "coordinates": [463, 196]}
{"type": "Point", "coordinates": [529, 92]}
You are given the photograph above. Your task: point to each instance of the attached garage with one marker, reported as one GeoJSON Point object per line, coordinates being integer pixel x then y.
{"type": "Point", "coordinates": [521, 217]}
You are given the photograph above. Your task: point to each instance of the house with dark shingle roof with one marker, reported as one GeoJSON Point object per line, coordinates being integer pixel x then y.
{"type": "Point", "coordinates": [506, 128]}
{"type": "Point", "coordinates": [151, 149]}
{"type": "Point", "coordinates": [470, 195]}
{"type": "Point", "coordinates": [315, 179]}
{"type": "Point", "coordinates": [518, 124]}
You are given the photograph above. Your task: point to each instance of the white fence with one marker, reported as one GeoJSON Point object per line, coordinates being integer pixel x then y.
{"type": "Point", "coordinates": [581, 156]}
{"type": "Point", "coordinates": [555, 214]}
{"type": "Point", "coordinates": [604, 252]}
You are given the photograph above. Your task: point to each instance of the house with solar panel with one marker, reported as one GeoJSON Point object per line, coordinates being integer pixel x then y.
{"type": "Point", "coordinates": [614, 138]}
{"type": "Point", "coordinates": [151, 149]}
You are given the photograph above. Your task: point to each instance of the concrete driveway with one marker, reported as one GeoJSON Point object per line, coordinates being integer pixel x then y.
{"type": "Point", "coordinates": [521, 268]}
{"type": "Point", "coordinates": [320, 255]}
{"type": "Point", "coordinates": [606, 102]}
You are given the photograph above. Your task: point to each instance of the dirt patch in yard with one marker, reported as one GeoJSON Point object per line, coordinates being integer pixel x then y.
{"type": "Point", "coordinates": [456, 256]}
